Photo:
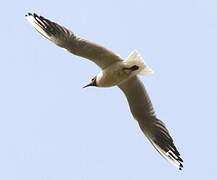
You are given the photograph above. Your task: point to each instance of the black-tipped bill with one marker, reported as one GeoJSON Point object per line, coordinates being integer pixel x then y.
{"type": "Point", "coordinates": [90, 84]}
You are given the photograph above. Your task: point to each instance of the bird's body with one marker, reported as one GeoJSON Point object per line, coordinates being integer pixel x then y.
{"type": "Point", "coordinates": [116, 72]}
{"type": "Point", "coordinates": [121, 71]}
{"type": "Point", "coordinates": [112, 75]}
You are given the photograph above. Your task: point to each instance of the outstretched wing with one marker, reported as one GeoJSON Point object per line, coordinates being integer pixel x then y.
{"type": "Point", "coordinates": [153, 128]}
{"type": "Point", "coordinates": [64, 38]}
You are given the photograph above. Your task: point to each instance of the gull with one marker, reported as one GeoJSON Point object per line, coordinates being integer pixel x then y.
{"type": "Point", "coordinates": [116, 71]}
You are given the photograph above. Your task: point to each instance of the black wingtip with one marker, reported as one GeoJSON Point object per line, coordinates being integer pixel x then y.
{"type": "Point", "coordinates": [28, 14]}
{"type": "Point", "coordinates": [31, 14]}
{"type": "Point", "coordinates": [180, 166]}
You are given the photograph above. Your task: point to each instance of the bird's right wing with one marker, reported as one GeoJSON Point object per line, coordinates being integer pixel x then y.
{"type": "Point", "coordinates": [153, 128]}
{"type": "Point", "coordinates": [64, 38]}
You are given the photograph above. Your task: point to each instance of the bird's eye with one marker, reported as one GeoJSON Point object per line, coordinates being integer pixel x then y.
{"type": "Point", "coordinates": [93, 79]}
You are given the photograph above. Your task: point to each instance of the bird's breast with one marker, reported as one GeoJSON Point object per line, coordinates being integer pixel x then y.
{"type": "Point", "coordinates": [112, 75]}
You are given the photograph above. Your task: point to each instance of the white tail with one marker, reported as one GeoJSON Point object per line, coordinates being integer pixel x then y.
{"type": "Point", "coordinates": [136, 59]}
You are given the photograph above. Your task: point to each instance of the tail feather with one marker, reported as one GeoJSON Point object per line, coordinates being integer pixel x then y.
{"type": "Point", "coordinates": [135, 58]}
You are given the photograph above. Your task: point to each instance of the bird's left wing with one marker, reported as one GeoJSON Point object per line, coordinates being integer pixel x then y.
{"type": "Point", "coordinates": [65, 38]}
{"type": "Point", "coordinates": [153, 128]}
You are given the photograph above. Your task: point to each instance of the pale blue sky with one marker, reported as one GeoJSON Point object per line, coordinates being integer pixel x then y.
{"type": "Point", "coordinates": [52, 129]}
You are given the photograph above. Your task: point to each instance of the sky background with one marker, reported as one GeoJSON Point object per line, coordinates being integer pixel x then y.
{"type": "Point", "coordinates": [52, 129]}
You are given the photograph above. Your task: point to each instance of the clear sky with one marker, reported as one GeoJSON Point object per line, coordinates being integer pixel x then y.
{"type": "Point", "coordinates": [52, 129]}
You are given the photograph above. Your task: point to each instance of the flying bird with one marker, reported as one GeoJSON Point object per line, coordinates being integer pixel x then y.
{"type": "Point", "coordinates": [116, 71]}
